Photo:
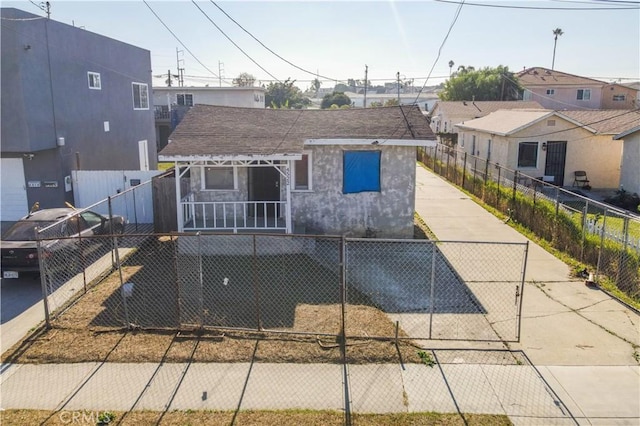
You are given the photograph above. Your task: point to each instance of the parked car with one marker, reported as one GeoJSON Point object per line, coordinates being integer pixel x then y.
{"type": "Point", "coordinates": [19, 246]}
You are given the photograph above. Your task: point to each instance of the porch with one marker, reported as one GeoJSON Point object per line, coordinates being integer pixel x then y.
{"type": "Point", "coordinates": [233, 216]}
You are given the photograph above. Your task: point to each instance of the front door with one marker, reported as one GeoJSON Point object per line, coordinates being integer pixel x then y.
{"type": "Point", "coordinates": [264, 185]}
{"type": "Point", "coordinates": [554, 165]}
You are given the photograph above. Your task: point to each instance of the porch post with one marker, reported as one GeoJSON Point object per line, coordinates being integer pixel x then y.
{"type": "Point", "coordinates": [287, 208]}
{"type": "Point", "coordinates": [179, 212]}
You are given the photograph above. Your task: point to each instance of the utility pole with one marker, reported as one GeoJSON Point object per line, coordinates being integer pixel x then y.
{"type": "Point", "coordinates": [180, 70]}
{"type": "Point", "coordinates": [398, 82]}
{"type": "Point", "coordinates": [220, 71]}
{"type": "Point", "coordinates": [48, 6]}
{"type": "Point", "coordinates": [366, 72]}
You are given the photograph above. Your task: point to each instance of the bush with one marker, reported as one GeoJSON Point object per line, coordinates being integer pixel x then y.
{"type": "Point", "coordinates": [625, 200]}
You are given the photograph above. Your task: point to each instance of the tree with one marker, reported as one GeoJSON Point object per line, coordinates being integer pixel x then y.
{"type": "Point", "coordinates": [556, 33]}
{"type": "Point", "coordinates": [244, 80]}
{"type": "Point", "coordinates": [340, 87]}
{"type": "Point", "coordinates": [451, 64]}
{"type": "Point", "coordinates": [336, 98]}
{"type": "Point", "coordinates": [315, 85]}
{"type": "Point", "coordinates": [392, 102]}
{"type": "Point", "coordinates": [485, 84]}
{"type": "Point", "coordinates": [285, 95]}
{"type": "Point", "coordinates": [375, 104]}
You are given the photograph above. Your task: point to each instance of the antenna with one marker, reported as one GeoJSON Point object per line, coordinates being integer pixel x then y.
{"type": "Point", "coordinates": [180, 70]}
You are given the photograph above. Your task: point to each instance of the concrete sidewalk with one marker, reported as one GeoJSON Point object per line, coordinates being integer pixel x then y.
{"type": "Point", "coordinates": [582, 344]}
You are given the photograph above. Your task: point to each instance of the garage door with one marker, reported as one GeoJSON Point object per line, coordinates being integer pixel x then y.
{"type": "Point", "coordinates": [13, 193]}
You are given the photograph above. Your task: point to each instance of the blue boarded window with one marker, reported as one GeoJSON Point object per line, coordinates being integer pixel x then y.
{"type": "Point", "coordinates": [361, 170]}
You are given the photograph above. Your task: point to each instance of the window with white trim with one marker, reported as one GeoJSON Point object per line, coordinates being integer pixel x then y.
{"type": "Point", "coordinates": [528, 154]}
{"type": "Point", "coordinates": [223, 178]}
{"type": "Point", "coordinates": [185, 99]}
{"type": "Point", "coordinates": [619, 98]}
{"type": "Point", "coordinates": [584, 94]}
{"type": "Point", "coordinates": [551, 92]}
{"type": "Point", "coordinates": [94, 80]}
{"type": "Point", "coordinates": [140, 95]}
{"type": "Point", "coordinates": [301, 173]}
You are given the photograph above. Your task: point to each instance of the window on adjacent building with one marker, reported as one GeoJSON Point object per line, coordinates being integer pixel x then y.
{"type": "Point", "coordinates": [185, 99]}
{"type": "Point", "coordinates": [527, 95]}
{"type": "Point", "coordinates": [584, 94]}
{"type": "Point", "coordinates": [619, 97]}
{"type": "Point", "coordinates": [94, 80]}
{"type": "Point", "coordinates": [551, 92]}
{"type": "Point", "coordinates": [528, 154]}
{"type": "Point", "coordinates": [140, 96]}
{"type": "Point", "coordinates": [302, 173]}
{"type": "Point", "coordinates": [361, 171]}
{"type": "Point", "coordinates": [219, 178]}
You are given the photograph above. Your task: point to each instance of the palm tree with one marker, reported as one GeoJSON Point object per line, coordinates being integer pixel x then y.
{"type": "Point", "coordinates": [557, 32]}
{"type": "Point", "coordinates": [451, 64]}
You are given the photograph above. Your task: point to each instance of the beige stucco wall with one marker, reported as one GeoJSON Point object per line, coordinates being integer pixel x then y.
{"type": "Point", "coordinates": [630, 173]}
{"type": "Point", "coordinates": [608, 92]}
{"type": "Point", "coordinates": [599, 156]}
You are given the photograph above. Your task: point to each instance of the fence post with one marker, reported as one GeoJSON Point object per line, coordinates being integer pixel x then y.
{"type": "Point", "coordinates": [200, 280]}
{"type": "Point", "coordinates": [342, 339]}
{"type": "Point", "coordinates": [498, 193]}
{"type": "Point", "coordinates": [585, 212]}
{"type": "Point", "coordinates": [604, 224]}
{"type": "Point", "coordinates": [176, 276]}
{"type": "Point", "coordinates": [475, 168]}
{"type": "Point", "coordinates": [447, 172]}
{"type": "Point", "coordinates": [455, 166]}
{"type": "Point", "coordinates": [464, 169]}
{"type": "Point", "coordinates": [434, 248]}
{"type": "Point", "coordinates": [44, 273]}
{"type": "Point", "coordinates": [435, 154]}
{"type": "Point", "coordinates": [515, 188]}
{"type": "Point", "coordinates": [623, 252]}
{"type": "Point", "coordinates": [122, 291]}
{"type": "Point", "coordinates": [256, 286]}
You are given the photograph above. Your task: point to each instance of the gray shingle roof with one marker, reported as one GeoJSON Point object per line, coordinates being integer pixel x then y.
{"type": "Point", "coordinates": [609, 121]}
{"type": "Point", "coordinates": [228, 131]}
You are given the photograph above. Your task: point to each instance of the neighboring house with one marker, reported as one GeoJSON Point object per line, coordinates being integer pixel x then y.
{"type": "Point", "coordinates": [630, 169]}
{"type": "Point", "coordinates": [550, 143]}
{"type": "Point", "coordinates": [561, 91]}
{"type": "Point", "coordinates": [349, 171]}
{"type": "Point", "coordinates": [171, 103]}
{"type": "Point", "coordinates": [447, 113]}
{"type": "Point", "coordinates": [71, 100]}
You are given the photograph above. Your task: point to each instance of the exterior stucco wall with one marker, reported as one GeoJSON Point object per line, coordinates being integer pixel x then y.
{"type": "Point", "coordinates": [46, 96]}
{"type": "Point", "coordinates": [565, 97]}
{"type": "Point", "coordinates": [598, 155]}
{"type": "Point", "coordinates": [203, 195]}
{"type": "Point", "coordinates": [230, 96]}
{"type": "Point", "coordinates": [630, 173]}
{"type": "Point", "coordinates": [611, 90]}
{"type": "Point", "coordinates": [327, 210]}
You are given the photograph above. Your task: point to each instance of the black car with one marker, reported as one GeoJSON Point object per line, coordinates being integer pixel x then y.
{"type": "Point", "coordinates": [19, 246]}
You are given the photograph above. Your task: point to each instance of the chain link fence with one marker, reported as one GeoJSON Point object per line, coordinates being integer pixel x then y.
{"type": "Point", "coordinates": [317, 285]}
{"type": "Point", "coordinates": [602, 236]}
{"type": "Point", "coordinates": [86, 246]}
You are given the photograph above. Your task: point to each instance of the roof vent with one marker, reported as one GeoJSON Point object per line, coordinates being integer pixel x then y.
{"type": "Point", "coordinates": [548, 72]}
{"type": "Point", "coordinates": [551, 123]}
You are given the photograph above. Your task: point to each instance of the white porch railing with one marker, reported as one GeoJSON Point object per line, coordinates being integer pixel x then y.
{"type": "Point", "coordinates": [232, 215]}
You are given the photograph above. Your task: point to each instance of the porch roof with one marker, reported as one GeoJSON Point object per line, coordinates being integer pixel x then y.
{"type": "Point", "coordinates": [209, 131]}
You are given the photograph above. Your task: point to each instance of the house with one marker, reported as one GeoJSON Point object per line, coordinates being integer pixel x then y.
{"type": "Point", "coordinates": [630, 168]}
{"type": "Point", "coordinates": [550, 143]}
{"type": "Point", "coordinates": [171, 103]}
{"type": "Point", "coordinates": [447, 113]}
{"type": "Point", "coordinates": [345, 171]}
{"type": "Point", "coordinates": [71, 100]}
{"type": "Point", "coordinates": [561, 91]}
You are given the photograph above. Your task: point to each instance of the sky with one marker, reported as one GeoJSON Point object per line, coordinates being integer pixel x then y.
{"type": "Point", "coordinates": [336, 40]}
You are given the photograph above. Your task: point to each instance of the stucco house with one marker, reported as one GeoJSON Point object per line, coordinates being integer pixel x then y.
{"type": "Point", "coordinates": [630, 169]}
{"type": "Point", "coordinates": [554, 144]}
{"type": "Point", "coordinates": [171, 103]}
{"type": "Point", "coordinates": [71, 100]}
{"type": "Point", "coordinates": [562, 91]}
{"type": "Point", "coordinates": [336, 172]}
{"type": "Point", "coordinates": [447, 113]}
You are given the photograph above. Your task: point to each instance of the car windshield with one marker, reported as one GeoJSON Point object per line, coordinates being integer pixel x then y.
{"type": "Point", "coordinates": [24, 230]}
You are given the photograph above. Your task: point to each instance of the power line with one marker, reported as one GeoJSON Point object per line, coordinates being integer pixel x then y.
{"type": "Point", "coordinates": [179, 41]}
{"type": "Point", "coordinates": [268, 49]}
{"type": "Point", "coordinates": [444, 40]}
{"type": "Point", "coordinates": [502, 6]}
{"type": "Point", "coordinates": [233, 42]}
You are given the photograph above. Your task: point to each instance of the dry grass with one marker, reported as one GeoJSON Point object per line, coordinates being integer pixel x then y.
{"type": "Point", "coordinates": [280, 418]}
